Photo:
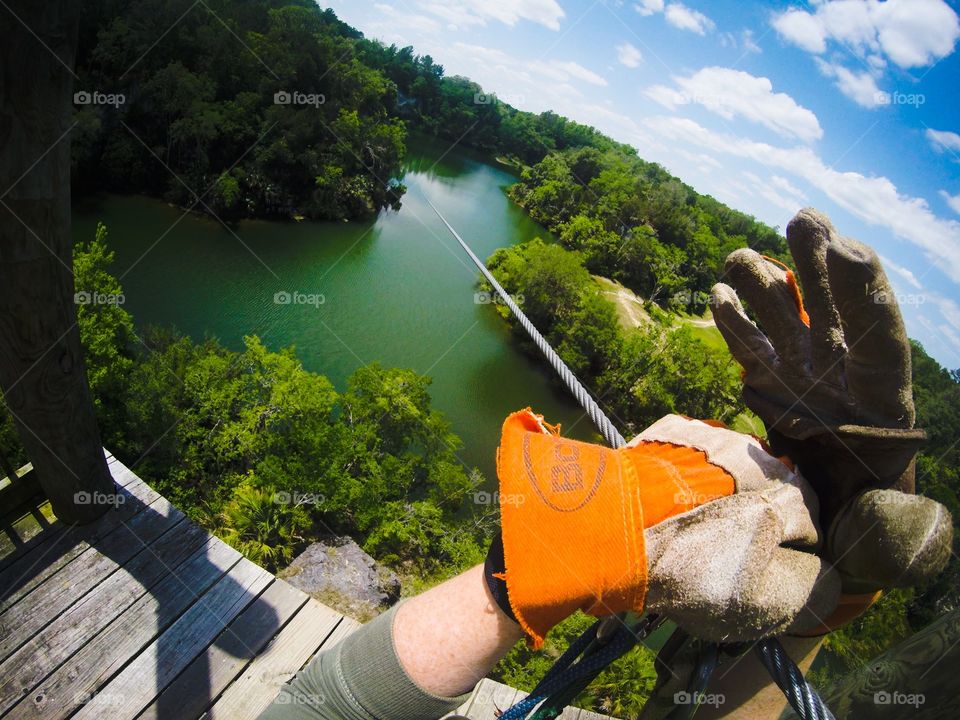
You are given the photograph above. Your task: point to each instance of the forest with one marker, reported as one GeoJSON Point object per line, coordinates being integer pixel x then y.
{"type": "Point", "coordinates": [312, 123]}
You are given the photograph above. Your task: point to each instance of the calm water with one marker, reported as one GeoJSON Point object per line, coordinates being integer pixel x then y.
{"type": "Point", "coordinates": [398, 290]}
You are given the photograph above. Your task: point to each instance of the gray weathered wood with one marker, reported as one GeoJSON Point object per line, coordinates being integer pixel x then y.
{"type": "Point", "coordinates": [34, 535]}
{"type": "Point", "coordinates": [59, 695]}
{"type": "Point", "coordinates": [45, 652]}
{"type": "Point", "coordinates": [42, 369]}
{"type": "Point", "coordinates": [209, 674]}
{"type": "Point", "coordinates": [255, 689]}
{"type": "Point", "coordinates": [157, 665]}
{"type": "Point", "coordinates": [489, 699]}
{"type": "Point", "coordinates": [92, 567]}
{"type": "Point", "coordinates": [44, 559]}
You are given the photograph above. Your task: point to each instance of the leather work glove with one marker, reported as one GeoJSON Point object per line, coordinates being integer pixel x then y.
{"type": "Point", "coordinates": [834, 391]}
{"type": "Point", "coordinates": [693, 521]}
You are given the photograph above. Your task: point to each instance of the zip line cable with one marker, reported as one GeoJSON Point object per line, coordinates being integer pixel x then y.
{"type": "Point", "coordinates": [803, 698]}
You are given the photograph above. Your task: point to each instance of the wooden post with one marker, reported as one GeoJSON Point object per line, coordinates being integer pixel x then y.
{"type": "Point", "coordinates": [42, 372]}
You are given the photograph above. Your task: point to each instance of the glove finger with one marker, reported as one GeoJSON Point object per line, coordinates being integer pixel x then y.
{"type": "Point", "coordinates": [748, 345]}
{"type": "Point", "coordinates": [878, 352]}
{"type": "Point", "coordinates": [764, 286]}
{"type": "Point", "coordinates": [808, 235]}
{"type": "Point", "coordinates": [886, 538]}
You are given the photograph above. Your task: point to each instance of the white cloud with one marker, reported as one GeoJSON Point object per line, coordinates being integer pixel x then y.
{"type": "Point", "coordinates": [875, 200]}
{"type": "Point", "coordinates": [477, 12]}
{"type": "Point", "coordinates": [396, 19]}
{"type": "Point", "coordinates": [861, 87]}
{"type": "Point", "coordinates": [730, 93]}
{"type": "Point", "coordinates": [952, 200]}
{"type": "Point", "coordinates": [680, 16]}
{"type": "Point", "coordinates": [677, 14]}
{"type": "Point", "coordinates": [943, 140]}
{"type": "Point", "coordinates": [787, 186]}
{"type": "Point", "coordinates": [649, 7]}
{"type": "Point", "coordinates": [628, 55]}
{"type": "Point", "coordinates": [564, 70]}
{"type": "Point", "coordinates": [802, 29]}
{"type": "Point", "coordinates": [911, 33]}
{"type": "Point", "coordinates": [903, 272]}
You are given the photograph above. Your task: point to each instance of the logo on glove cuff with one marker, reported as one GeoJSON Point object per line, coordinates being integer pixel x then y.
{"type": "Point", "coordinates": [565, 490]}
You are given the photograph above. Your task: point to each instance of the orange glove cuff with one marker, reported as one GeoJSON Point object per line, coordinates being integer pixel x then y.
{"type": "Point", "coordinates": [573, 515]}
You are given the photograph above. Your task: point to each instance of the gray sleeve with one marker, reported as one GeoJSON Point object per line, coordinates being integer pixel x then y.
{"type": "Point", "coordinates": [359, 678]}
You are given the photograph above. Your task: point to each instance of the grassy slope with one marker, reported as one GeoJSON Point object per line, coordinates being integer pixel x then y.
{"type": "Point", "coordinates": [632, 313]}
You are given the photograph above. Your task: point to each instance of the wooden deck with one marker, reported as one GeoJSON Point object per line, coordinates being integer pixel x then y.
{"type": "Point", "coordinates": [143, 614]}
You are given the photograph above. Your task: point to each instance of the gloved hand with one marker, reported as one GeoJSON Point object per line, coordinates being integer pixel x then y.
{"type": "Point", "coordinates": [834, 390]}
{"type": "Point", "coordinates": [694, 521]}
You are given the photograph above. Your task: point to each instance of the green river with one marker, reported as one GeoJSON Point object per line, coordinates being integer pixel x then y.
{"type": "Point", "coordinates": [398, 289]}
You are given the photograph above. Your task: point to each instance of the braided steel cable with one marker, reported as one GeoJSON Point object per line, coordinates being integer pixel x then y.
{"type": "Point", "coordinates": [599, 418]}
{"type": "Point", "coordinates": [799, 693]}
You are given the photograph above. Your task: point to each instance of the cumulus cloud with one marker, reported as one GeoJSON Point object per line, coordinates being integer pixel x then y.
{"type": "Point", "coordinates": [680, 16]}
{"type": "Point", "coordinates": [952, 200]}
{"type": "Point", "coordinates": [628, 55]}
{"type": "Point", "coordinates": [649, 7]}
{"type": "Point", "coordinates": [734, 93]}
{"type": "Point", "coordinates": [861, 87]}
{"type": "Point", "coordinates": [875, 200]}
{"type": "Point", "coordinates": [677, 14]}
{"type": "Point", "coordinates": [477, 12]}
{"type": "Point", "coordinates": [911, 33]}
{"type": "Point", "coordinates": [908, 33]}
{"type": "Point", "coordinates": [943, 140]}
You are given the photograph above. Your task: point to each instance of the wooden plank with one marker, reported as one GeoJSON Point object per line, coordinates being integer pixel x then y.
{"type": "Point", "coordinates": [39, 536]}
{"type": "Point", "coordinates": [490, 699]}
{"type": "Point", "coordinates": [109, 651]}
{"type": "Point", "coordinates": [19, 488]}
{"type": "Point", "coordinates": [256, 688]}
{"type": "Point", "coordinates": [22, 621]}
{"type": "Point", "coordinates": [192, 692]}
{"type": "Point", "coordinates": [67, 542]}
{"type": "Point", "coordinates": [53, 645]}
{"type": "Point", "coordinates": [136, 686]}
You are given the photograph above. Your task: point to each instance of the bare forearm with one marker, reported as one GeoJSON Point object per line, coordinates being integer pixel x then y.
{"type": "Point", "coordinates": [450, 637]}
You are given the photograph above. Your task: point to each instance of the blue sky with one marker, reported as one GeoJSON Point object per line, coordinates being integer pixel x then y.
{"type": "Point", "coordinates": [847, 105]}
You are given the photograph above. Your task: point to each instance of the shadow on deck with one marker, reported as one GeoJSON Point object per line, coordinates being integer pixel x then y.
{"type": "Point", "coordinates": [143, 614]}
